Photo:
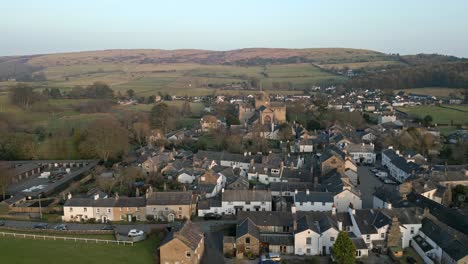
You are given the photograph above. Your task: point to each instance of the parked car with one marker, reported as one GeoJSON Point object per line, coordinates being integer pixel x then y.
{"type": "Point", "coordinates": [410, 260]}
{"type": "Point", "coordinates": [374, 170]}
{"type": "Point", "coordinates": [41, 226]}
{"type": "Point", "coordinates": [62, 227]}
{"type": "Point", "coordinates": [107, 227]}
{"type": "Point", "coordinates": [271, 256]}
{"type": "Point", "coordinates": [2, 223]}
{"type": "Point", "coordinates": [135, 233]}
{"type": "Point", "coordinates": [212, 216]}
{"type": "Point", "coordinates": [389, 181]}
{"type": "Point", "coordinates": [381, 174]}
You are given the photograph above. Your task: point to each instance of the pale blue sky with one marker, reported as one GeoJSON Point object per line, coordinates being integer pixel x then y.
{"type": "Point", "coordinates": [403, 26]}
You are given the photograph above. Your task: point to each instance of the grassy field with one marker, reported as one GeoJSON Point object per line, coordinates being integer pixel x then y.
{"type": "Point", "coordinates": [441, 114]}
{"type": "Point", "coordinates": [439, 92]}
{"type": "Point", "coordinates": [360, 65]}
{"type": "Point", "coordinates": [183, 78]}
{"type": "Point", "coordinates": [25, 251]}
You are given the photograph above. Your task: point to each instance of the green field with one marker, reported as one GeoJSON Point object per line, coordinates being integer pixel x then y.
{"type": "Point", "coordinates": [441, 114]}
{"type": "Point", "coordinates": [25, 251]}
{"type": "Point", "coordinates": [185, 78]}
{"type": "Point", "coordinates": [439, 92]}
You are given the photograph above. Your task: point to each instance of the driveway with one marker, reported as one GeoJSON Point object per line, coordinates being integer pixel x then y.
{"type": "Point", "coordinates": [213, 248]}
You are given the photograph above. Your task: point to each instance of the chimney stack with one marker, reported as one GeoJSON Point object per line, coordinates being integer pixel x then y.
{"type": "Point", "coordinates": [69, 196]}
{"type": "Point", "coordinates": [307, 192]}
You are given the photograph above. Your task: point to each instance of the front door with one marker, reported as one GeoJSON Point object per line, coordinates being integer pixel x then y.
{"type": "Point", "coordinates": [129, 217]}
{"type": "Point", "coordinates": [104, 219]}
{"type": "Point", "coordinates": [324, 250]}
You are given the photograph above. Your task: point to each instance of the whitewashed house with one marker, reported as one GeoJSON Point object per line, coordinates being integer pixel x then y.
{"type": "Point", "coordinates": [342, 200]}
{"type": "Point", "coordinates": [313, 201]}
{"type": "Point", "coordinates": [185, 178]}
{"type": "Point", "coordinates": [234, 201]}
{"type": "Point", "coordinates": [362, 153]}
{"type": "Point", "coordinates": [399, 167]}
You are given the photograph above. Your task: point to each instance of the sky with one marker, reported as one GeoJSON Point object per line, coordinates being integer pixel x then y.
{"type": "Point", "coordinates": [397, 26]}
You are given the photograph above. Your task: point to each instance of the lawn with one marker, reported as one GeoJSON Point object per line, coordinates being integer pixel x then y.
{"type": "Point", "coordinates": [24, 251]}
{"type": "Point", "coordinates": [440, 114]}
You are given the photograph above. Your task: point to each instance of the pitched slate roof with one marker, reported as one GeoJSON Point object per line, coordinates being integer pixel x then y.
{"type": "Point", "coordinates": [401, 162]}
{"type": "Point", "coordinates": [129, 202]}
{"type": "Point", "coordinates": [209, 203]}
{"type": "Point", "coordinates": [303, 197]}
{"type": "Point", "coordinates": [290, 186]}
{"type": "Point", "coordinates": [247, 227]}
{"type": "Point", "coordinates": [264, 218]}
{"type": "Point", "coordinates": [84, 202]}
{"type": "Point", "coordinates": [366, 148]}
{"type": "Point", "coordinates": [449, 216]}
{"type": "Point", "coordinates": [388, 194]}
{"type": "Point", "coordinates": [189, 234]}
{"type": "Point", "coordinates": [332, 181]}
{"type": "Point", "coordinates": [246, 195]}
{"type": "Point", "coordinates": [170, 198]}
{"type": "Point", "coordinates": [278, 239]}
{"type": "Point", "coordinates": [359, 243]}
{"type": "Point", "coordinates": [318, 222]}
{"type": "Point", "coordinates": [332, 150]}
{"type": "Point", "coordinates": [369, 220]}
{"type": "Point", "coordinates": [454, 243]}
{"type": "Point", "coordinates": [422, 243]}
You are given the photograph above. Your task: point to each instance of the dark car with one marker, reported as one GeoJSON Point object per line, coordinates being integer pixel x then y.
{"type": "Point", "coordinates": [411, 260]}
{"type": "Point", "coordinates": [212, 216]}
{"type": "Point", "coordinates": [107, 227]}
{"type": "Point", "coordinates": [2, 223]}
{"type": "Point", "coordinates": [62, 227]}
{"type": "Point", "coordinates": [41, 226]}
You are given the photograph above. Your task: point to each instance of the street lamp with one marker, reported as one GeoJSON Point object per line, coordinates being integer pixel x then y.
{"type": "Point", "coordinates": [40, 208]}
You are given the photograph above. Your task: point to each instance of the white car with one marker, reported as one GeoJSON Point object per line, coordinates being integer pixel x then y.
{"type": "Point", "coordinates": [381, 174]}
{"type": "Point", "coordinates": [271, 256]}
{"type": "Point", "coordinates": [135, 233]}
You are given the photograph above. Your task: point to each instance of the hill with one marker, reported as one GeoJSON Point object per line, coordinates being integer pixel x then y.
{"type": "Point", "coordinates": [199, 72]}
{"type": "Point", "coordinates": [232, 57]}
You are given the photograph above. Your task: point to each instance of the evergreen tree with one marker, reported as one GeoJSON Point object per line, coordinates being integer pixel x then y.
{"type": "Point", "coordinates": [344, 250]}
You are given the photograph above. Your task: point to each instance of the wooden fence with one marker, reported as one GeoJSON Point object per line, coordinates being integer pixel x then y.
{"type": "Point", "coordinates": [76, 239]}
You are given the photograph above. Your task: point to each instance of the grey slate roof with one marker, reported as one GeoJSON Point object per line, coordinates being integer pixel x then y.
{"type": "Point", "coordinates": [189, 234]}
{"type": "Point", "coordinates": [290, 186]}
{"type": "Point", "coordinates": [422, 243]}
{"type": "Point", "coordinates": [359, 243]}
{"type": "Point", "coordinates": [400, 162]}
{"type": "Point", "coordinates": [170, 198]}
{"type": "Point", "coordinates": [129, 202]}
{"type": "Point", "coordinates": [277, 239]}
{"type": "Point", "coordinates": [332, 181]}
{"type": "Point", "coordinates": [209, 203]}
{"type": "Point", "coordinates": [246, 195]}
{"type": "Point", "coordinates": [454, 243]}
{"type": "Point", "coordinates": [449, 216]}
{"type": "Point", "coordinates": [247, 227]}
{"type": "Point", "coordinates": [264, 218]}
{"type": "Point", "coordinates": [303, 197]}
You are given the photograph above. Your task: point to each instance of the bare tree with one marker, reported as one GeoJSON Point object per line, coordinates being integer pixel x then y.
{"type": "Point", "coordinates": [141, 131]}
{"type": "Point", "coordinates": [105, 139]}
{"type": "Point", "coordinates": [5, 177]}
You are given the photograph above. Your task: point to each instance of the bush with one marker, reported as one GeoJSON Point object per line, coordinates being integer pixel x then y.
{"type": "Point", "coordinates": [92, 220]}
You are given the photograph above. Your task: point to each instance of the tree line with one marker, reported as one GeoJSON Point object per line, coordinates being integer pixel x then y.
{"type": "Point", "coordinates": [454, 75]}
